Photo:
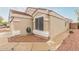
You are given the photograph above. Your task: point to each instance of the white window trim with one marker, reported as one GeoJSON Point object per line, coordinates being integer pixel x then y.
{"type": "Point", "coordinates": [42, 33]}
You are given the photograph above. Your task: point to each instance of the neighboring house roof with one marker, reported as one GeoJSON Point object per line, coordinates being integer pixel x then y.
{"type": "Point", "coordinates": [36, 9]}
{"type": "Point", "coordinates": [75, 21]}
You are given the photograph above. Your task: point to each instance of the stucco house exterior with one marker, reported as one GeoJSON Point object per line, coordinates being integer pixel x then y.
{"type": "Point", "coordinates": [43, 22]}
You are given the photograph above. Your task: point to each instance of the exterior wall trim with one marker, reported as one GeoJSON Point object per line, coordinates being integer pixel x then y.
{"type": "Point", "coordinates": [51, 15]}
{"type": "Point", "coordinates": [22, 17]}
{"type": "Point", "coordinates": [56, 17]}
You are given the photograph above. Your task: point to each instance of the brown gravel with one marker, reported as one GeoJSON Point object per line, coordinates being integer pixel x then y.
{"type": "Point", "coordinates": [71, 43]}
{"type": "Point", "coordinates": [27, 38]}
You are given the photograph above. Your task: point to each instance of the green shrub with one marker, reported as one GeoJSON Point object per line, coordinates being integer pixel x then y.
{"type": "Point", "coordinates": [71, 32]}
{"type": "Point", "coordinates": [28, 30]}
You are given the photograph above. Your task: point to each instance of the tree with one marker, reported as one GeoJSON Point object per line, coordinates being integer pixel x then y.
{"type": "Point", "coordinates": [1, 20]}
{"type": "Point", "coordinates": [4, 23]}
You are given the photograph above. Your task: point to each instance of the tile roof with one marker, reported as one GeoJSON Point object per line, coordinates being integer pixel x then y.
{"type": "Point", "coordinates": [38, 8]}
{"type": "Point", "coordinates": [19, 12]}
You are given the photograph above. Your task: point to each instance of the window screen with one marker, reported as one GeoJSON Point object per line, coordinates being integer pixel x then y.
{"type": "Point", "coordinates": [39, 23]}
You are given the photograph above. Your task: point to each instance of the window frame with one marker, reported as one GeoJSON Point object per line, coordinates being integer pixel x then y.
{"type": "Point", "coordinates": [38, 22]}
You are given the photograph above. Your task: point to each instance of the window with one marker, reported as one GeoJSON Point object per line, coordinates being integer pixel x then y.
{"type": "Point", "coordinates": [39, 23]}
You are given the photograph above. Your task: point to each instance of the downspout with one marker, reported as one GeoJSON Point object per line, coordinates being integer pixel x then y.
{"type": "Point", "coordinates": [11, 29]}
{"type": "Point", "coordinates": [32, 25]}
{"type": "Point", "coordinates": [10, 17]}
{"type": "Point", "coordinates": [10, 21]}
{"type": "Point", "coordinates": [12, 26]}
{"type": "Point", "coordinates": [49, 24]}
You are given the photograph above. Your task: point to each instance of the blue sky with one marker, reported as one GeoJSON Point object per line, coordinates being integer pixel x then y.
{"type": "Point", "coordinates": [4, 11]}
{"type": "Point", "coordinates": [68, 12]}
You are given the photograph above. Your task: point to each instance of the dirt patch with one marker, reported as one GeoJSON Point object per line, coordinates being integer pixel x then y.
{"type": "Point", "coordinates": [71, 43]}
{"type": "Point", "coordinates": [27, 38]}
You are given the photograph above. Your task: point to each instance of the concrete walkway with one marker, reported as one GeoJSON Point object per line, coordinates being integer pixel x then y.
{"type": "Point", "coordinates": [20, 46]}
{"type": "Point", "coordinates": [71, 43]}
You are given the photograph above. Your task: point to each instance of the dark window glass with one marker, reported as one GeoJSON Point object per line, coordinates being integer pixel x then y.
{"type": "Point", "coordinates": [36, 23]}
{"type": "Point", "coordinates": [39, 23]}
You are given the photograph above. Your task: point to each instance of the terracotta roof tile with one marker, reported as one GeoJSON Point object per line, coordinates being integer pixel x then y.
{"type": "Point", "coordinates": [19, 12]}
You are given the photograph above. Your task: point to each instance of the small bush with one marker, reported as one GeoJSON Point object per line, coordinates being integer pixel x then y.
{"type": "Point", "coordinates": [71, 32]}
{"type": "Point", "coordinates": [28, 30]}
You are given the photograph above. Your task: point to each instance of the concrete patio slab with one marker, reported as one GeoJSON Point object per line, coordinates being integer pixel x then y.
{"type": "Point", "coordinates": [23, 47]}
{"type": "Point", "coordinates": [40, 47]}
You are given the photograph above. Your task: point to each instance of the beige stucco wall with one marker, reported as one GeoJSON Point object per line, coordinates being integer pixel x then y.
{"type": "Point", "coordinates": [46, 20]}
{"type": "Point", "coordinates": [35, 12]}
{"type": "Point", "coordinates": [57, 26]}
{"type": "Point", "coordinates": [59, 30]}
{"type": "Point", "coordinates": [20, 22]}
{"type": "Point", "coordinates": [21, 25]}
